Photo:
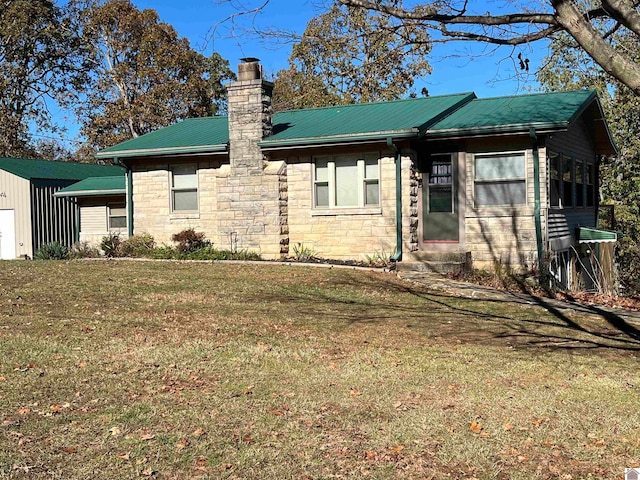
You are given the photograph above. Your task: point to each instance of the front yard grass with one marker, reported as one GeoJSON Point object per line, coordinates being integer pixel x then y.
{"type": "Point", "coordinates": [116, 370]}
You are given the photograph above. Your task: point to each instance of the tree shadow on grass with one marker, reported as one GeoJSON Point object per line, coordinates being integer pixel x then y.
{"type": "Point", "coordinates": [512, 320]}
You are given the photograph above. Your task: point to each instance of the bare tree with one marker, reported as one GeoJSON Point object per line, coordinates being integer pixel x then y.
{"type": "Point", "coordinates": [590, 24]}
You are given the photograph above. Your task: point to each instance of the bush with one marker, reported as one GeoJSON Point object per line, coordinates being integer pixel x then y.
{"type": "Point", "coordinates": [52, 251]}
{"type": "Point", "coordinates": [137, 246]}
{"type": "Point", "coordinates": [189, 240]}
{"type": "Point", "coordinates": [110, 244]}
{"type": "Point", "coordinates": [83, 250]}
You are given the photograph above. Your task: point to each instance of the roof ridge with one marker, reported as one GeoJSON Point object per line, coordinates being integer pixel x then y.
{"type": "Point", "coordinates": [538, 94]}
{"type": "Point", "coordinates": [385, 102]}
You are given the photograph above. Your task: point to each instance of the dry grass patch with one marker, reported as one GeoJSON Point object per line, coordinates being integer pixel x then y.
{"type": "Point", "coordinates": [178, 370]}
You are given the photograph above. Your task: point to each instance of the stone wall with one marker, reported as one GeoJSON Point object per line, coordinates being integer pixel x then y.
{"type": "Point", "coordinates": [347, 233]}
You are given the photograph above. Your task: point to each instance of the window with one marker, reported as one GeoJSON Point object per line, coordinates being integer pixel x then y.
{"type": "Point", "coordinates": [184, 189]}
{"type": "Point", "coordinates": [441, 184]}
{"type": "Point", "coordinates": [589, 180]}
{"type": "Point", "coordinates": [117, 216]}
{"type": "Point", "coordinates": [571, 182]}
{"type": "Point", "coordinates": [579, 176]}
{"type": "Point", "coordinates": [346, 181]}
{"type": "Point", "coordinates": [554, 180]}
{"type": "Point", "coordinates": [500, 179]}
{"type": "Point", "coordinates": [567, 181]}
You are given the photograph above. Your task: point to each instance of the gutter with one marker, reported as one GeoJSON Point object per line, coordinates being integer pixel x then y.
{"type": "Point", "coordinates": [331, 139]}
{"type": "Point", "coordinates": [129, 173]}
{"type": "Point", "coordinates": [536, 189]}
{"type": "Point", "coordinates": [397, 256]}
{"type": "Point", "coordinates": [145, 152]}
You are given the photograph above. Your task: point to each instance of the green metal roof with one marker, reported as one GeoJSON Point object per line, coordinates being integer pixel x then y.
{"type": "Point", "coordinates": [43, 169]}
{"type": "Point", "coordinates": [594, 235]}
{"type": "Point", "coordinates": [94, 186]}
{"type": "Point", "coordinates": [515, 113]}
{"type": "Point", "coordinates": [194, 135]}
{"type": "Point", "coordinates": [430, 117]}
{"type": "Point", "coordinates": [364, 121]}
{"type": "Point", "coordinates": [299, 127]}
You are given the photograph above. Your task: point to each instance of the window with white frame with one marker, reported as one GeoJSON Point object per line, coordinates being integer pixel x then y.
{"type": "Point", "coordinates": [184, 189]}
{"type": "Point", "coordinates": [346, 181]}
{"type": "Point", "coordinates": [117, 216]}
{"type": "Point", "coordinates": [500, 179]}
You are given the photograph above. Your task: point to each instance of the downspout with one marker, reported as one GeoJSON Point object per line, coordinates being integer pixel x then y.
{"type": "Point", "coordinates": [397, 256]}
{"type": "Point", "coordinates": [129, 173]}
{"type": "Point", "coordinates": [536, 192]}
{"type": "Point", "coordinates": [76, 230]}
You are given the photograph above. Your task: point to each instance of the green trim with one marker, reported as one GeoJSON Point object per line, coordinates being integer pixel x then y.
{"type": "Point", "coordinates": [129, 201]}
{"type": "Point", "coordinates": [397, 256]}
{"type": "Point", "coordinates": [536, 194]}
{"type": "Point", "coordinates": [332, 139]}
{"type": "Point", "coordinates": [219, 148]}
{"type": "Point", "coordinates": [489, 130]}
{"type": "Point", "coordinates": [89, 193]}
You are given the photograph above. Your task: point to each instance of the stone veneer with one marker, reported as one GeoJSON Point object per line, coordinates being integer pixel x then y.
{"type": "Point", "coordinates": [347, 233]}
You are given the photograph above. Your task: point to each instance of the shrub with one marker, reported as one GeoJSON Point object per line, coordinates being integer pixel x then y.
{"type": "Point", "coordinates": [137, 246]}
{"type": "Point", "coordinates": [83, 250]}
{"type": "Point", "coordinates": [52, 251]}
{"type": "Point", "coordinates": [110, 244]}
{"type": "Point", "coordinates": [302, 253]}
{"type": "Point", "coordinates": [189, 240]}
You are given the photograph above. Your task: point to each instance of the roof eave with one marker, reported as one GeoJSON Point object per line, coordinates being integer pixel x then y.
{"type": "Point", "coordinates": [89, 193]}
{"type": "Point", "coordinates": [147, 152]}
{"type": "Point", "coordinates": [492, 130]}
{"type": "Point", "coordinates": [337, 139]}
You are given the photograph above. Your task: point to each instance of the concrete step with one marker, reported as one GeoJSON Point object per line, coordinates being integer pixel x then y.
{"type": "Point", "coordinates": [431, 267]}
{"type": "Point", "coordinates": [435, 261]}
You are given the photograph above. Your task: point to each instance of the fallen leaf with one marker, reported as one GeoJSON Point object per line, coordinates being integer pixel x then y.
{"type": "Point", "coordinates": [370, 455]}
{"type": "Point", "coordinates": [485, 435]}
{"type": "Point", "coordinates": [277, 413]}
{"type": "Point", "coordinates": [198, 432]}
{"type": "Point", "coordinates": [2, 379]}
{"type": "Point", "coordinates": [476, 427]}
{"type": "Point", "coordinates": [55, 408]}
{"type": "Point", "coordinates": [548, 444]}
{"type": "Point", "coordinates": [24, 411]}
{"type": "Point", "coordinates": [248, 391]}
{"type": "Point", "coordinates": [248, 439]}
{"type": "Point", "coordinates": [147, 436]}
{"type": "Point", "coordinates": [396, 449]}
{"type": "Point", "coordinates": [355, 393]}
{"type": "Point", "coordinates": [124, 456]}
{"type": "Point", "coordinates": [81, 364]}
{"type": "Point", "coordinates": [537, 421]}
{"type": "Point", "coordinates": [182, 443]}
{"type": "Point", "coordinates": [69, 449]}
{"type": "Point", "coordinates": [114, 431]}
{"type": "Point", "coordinates": [508, 427]}
{"type": "Point", "coordinates": [148, 472]}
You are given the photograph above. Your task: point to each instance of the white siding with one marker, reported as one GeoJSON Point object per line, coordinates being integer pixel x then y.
{"type": "Point", "coordinates": [15, 195]}
{"type": "Point", "coordinates": [93, 219]}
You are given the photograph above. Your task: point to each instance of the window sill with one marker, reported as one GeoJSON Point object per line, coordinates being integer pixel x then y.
{"type": "Point", "coordinates": [325, 212]}
{"type": "Point", "coordinates": [184, 216]}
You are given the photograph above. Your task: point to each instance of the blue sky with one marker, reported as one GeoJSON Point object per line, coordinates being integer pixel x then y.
{"type": "Point", "coordinates": [457, 66]}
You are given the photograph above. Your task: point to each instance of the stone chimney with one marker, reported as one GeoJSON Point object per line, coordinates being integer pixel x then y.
{"type": "Point", "coordinates": [250, 112]}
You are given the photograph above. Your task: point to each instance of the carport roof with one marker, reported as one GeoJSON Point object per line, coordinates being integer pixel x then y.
{"type": "Point", "coordinates": [42, 169]}
{"type": "Point", "coordinates": [93, 186]}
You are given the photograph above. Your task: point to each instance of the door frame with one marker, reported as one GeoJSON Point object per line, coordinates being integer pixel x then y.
{"type": "Point", "coordinates": [11, 238]}
{"type": "Point", "coordinates": [459, 191]}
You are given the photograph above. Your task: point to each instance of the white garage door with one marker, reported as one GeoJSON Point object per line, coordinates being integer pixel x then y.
{"type": "Point", "coordinates": [7, 235]}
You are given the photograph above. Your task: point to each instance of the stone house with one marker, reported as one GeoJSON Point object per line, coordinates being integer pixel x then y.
{"type": "Point", "coordinates": [450, 178]}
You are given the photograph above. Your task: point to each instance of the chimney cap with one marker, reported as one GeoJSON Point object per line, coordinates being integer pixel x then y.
{"type": "Point", "coordinates": [249, 59]}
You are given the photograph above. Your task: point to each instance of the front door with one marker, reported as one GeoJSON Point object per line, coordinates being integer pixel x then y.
{"type": "Point", "coordinates": [439, 204]}
{"type": "Point", "coordinates": [7, 235]}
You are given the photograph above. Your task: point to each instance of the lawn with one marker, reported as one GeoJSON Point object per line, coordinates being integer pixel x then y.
{"type": "Point", "coordinates": [115, 370]}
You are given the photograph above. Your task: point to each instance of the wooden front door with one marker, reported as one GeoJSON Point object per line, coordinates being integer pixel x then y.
{"type": "Point", "coordinates": [439, 200]}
